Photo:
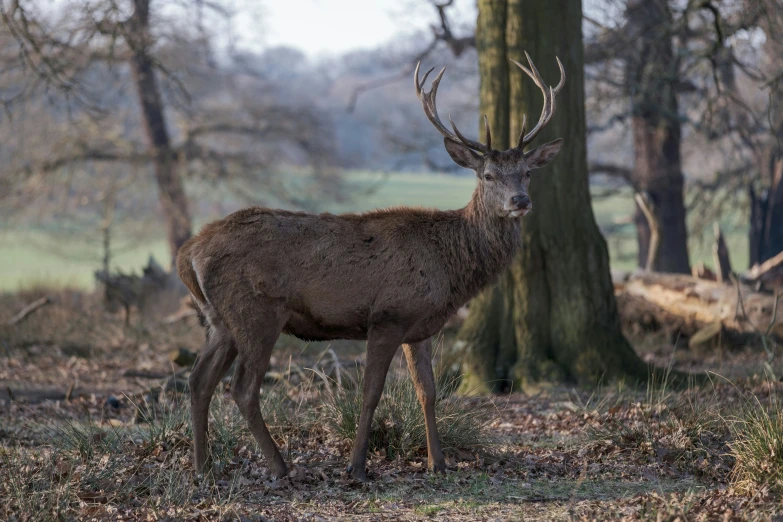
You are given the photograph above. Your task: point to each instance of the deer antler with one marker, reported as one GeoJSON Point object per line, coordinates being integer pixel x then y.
{"type": "Point", "coordinates": [428, 103]}
{"type": "Point", "coordinates": [549, 100]}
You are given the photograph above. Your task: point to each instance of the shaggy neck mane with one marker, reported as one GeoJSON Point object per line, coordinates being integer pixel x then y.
{"type": "Point", "coordinates": [481, 245]}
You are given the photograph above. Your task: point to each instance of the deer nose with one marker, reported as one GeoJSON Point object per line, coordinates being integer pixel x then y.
{"type": "Point", "coordinates": [522, 201]}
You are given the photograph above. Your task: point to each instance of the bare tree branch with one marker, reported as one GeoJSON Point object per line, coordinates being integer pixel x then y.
{"type": "Point", "coordinates": [441, 33]}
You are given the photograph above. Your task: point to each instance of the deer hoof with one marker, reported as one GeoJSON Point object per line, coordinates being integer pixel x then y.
{"type": "Point", "coordinates": [357, 473]}
{"type": "Point", "coordinates": [437, 467]}
{"type": "Point", "coordinates": [279, 471]}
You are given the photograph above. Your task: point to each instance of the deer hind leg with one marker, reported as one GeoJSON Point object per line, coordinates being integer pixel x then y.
{"type": "Point", "coordinates": [381, 348]}
{"type": "Point", "coordinates": [255, 350]}
{"type": "Point", "coordinates": [419, 357]}
{"type": "Point", "coordinates": [211, 366]}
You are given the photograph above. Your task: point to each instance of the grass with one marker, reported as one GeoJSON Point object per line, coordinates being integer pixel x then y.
{"type": "Point", "coordinates": [44, 254]}
{"type": "Point", "coordinates": [740, 442]}
{"type": "Point", "coordinates": [559, 455]}
{"type": "Point", "coordinates": [146, 465]}
{"type": "Point", "coordinates": [83, 468]}
{"type": "Point", "coordinates": [141, 465]}
{"type": "Point", "coordinates": [27, 262]}
{"type": "Point", "coordinates": [145, 468]}
{"type": "Point", "coordinates": [757, 447]}
{"type": "Point", "coordinates": [398, 425]}
{"type": "Point", "coordinates": [683, 428]}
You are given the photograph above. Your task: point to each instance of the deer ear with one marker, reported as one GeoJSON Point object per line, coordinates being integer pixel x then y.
{"type": "Point", "coordinates": [543, 154]}
{"type": "Point", "coordinates": [461, 154]}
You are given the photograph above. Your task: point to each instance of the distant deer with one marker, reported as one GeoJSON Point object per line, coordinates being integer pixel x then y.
{"type": "Point", "coordinates": [389, 277]}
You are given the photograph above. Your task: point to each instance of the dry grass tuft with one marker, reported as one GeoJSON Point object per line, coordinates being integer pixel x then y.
{"type": "Point", "coordinates": [757, 448]}
{"type": "Point", "coordinates": [398, 426]}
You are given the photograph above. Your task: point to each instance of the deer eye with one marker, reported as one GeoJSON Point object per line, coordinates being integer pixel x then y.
{"type": "Point", "coordinates": [487, 177]}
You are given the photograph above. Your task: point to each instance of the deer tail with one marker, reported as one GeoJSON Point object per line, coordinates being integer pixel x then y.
{"type": "Point", "coordinates": [188, 274]}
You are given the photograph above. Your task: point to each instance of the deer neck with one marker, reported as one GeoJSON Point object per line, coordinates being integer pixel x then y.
{"type": "Point", "coordinates": [487, 246]}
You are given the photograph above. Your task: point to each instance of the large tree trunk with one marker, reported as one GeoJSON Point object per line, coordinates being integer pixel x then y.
{"type": "Point", "coordinates": [766, 214]}
{"type": "Point", "coordinates": [171, 192]}
{"type": "Point", "coordinates": [766, 227]}
{"type": "Point", "coordinates": [553, 315]}
{"type": "Point", "coordinates": [652, 77]}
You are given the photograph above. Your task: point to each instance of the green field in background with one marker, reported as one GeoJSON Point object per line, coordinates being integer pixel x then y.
{"type": "Point", "coordinates": [31, 256]}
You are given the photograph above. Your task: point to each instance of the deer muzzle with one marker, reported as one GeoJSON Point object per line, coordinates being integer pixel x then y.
{"type": "Point", "coordinates": [518, 205]}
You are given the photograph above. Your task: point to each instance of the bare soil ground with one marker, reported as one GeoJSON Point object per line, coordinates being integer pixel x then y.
{"type": "Point", "coordinates": [94, 426]}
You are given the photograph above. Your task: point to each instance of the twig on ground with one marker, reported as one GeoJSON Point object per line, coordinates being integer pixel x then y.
{"type": "Point", "coordinates": [179, 316]}
{"type": "Point", "coordinates": [144, 374]}
{"type": "Point", "coordinates": [27, 310]}
{"type": "Point", "coordinates": [69, 393]}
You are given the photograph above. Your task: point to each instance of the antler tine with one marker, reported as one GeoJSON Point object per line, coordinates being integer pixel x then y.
{"type": "Point", "coordinates": [428, 102]}
{"type": "Point", "coordinates": [521, 142]}
{"type": "Point", "coordinates": [562, 75]}
{"type": "Point", "coordinates": [549, 98]}
{"type": "Point", "coordinates": [552, 94]}
{"type": "Point", "coordinates": [416, 79]}
{"type": "Point", "coordinates": [538, 78]}
{"type": "Point", "coordinates": [487, 133]}
{"type": "Point", "coordinates": [428, 98]}
{"type": "Point", "coordinates": [475, 145]}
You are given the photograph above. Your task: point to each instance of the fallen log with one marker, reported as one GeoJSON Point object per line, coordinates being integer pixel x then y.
{"type": "Point", "coordinates": [698, 310]}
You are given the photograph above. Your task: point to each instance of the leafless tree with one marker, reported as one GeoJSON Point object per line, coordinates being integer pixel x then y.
{"type": "Point", "coordinates": [724, 67]}
{"type": "Point", "coordinates": [71, 64]}
{"type": "Point", "coordinates": [745, 115]}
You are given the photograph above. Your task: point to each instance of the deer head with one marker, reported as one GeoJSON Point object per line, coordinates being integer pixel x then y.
{"type": "Point", "coordinates": [503, 176]}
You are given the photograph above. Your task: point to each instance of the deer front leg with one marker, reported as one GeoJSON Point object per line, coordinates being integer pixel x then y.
{"type": "Point", "coordinates": [380, 352]}
{"type": "Point", "coordinates": [419, 357]}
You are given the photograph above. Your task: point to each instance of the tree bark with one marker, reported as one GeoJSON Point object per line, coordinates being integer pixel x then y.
{"type": "Point", "coordinates": [652, 73]}
{"type": "Point", "coordinates": [720, 256]}
{"type": "Point", "coordinates": [552, 315]}
{"type": "Point", "coordinates": [766, 212]}
{"type": "Point", "coordinates": [493, 67]}
{"type": "Point", "coordinates": [770, 239]}
{"type": "Point", "coordinates": [171, 192]}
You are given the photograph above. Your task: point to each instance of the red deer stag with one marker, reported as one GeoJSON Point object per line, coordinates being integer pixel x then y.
{"type": "Point", "coordinates": [389, 277]}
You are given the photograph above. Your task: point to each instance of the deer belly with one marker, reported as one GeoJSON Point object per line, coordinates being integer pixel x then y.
{"type": "Point", "coordinates": [309, 328]}
{"type": "Point", "coordinates": [427, 327]}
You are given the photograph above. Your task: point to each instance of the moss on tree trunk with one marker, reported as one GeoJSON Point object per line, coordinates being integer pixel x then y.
{"type": "Point", "coordinates": [552, 316]}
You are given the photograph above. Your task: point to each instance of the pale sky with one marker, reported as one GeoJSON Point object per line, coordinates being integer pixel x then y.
{"type": "Point", "coordinates": [319, 27]}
